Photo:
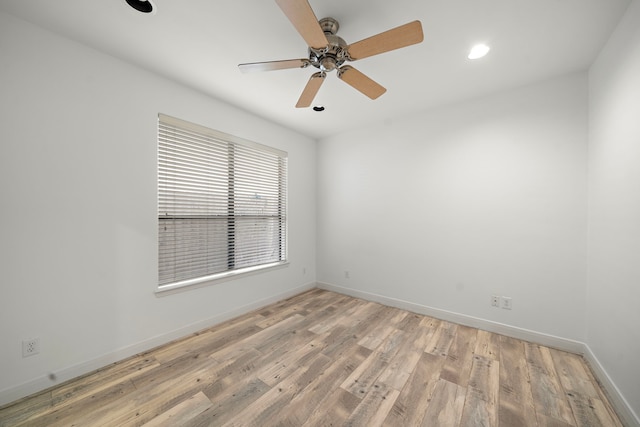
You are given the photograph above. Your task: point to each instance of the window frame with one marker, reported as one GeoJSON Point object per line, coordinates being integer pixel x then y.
{"type": "Point", "coordinates": [235, 143]}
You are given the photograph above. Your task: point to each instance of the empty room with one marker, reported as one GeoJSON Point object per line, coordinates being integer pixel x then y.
{"type": "Point", "coordinates": [316, 213]}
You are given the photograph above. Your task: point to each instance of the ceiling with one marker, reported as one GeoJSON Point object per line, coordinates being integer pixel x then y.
{"type": "Point", "coordinates": [199, 43]}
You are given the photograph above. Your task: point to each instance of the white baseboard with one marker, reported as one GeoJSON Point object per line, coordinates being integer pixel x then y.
{"type": "Point", "coordinates": [463, 319]}
{"type": "Point", "coordinates": [624, 410]}
{"type": "Point", "coordinates": [39, 384]}
{"type": "Point", "coordinates": [622, 407]}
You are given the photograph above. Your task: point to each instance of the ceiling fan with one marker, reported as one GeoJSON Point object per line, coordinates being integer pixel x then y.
{"type": "Point", "coordinates": [328, 52]}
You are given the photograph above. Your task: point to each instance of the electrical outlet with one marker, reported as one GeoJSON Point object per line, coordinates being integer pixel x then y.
{"type": "Point", "coordinates": [30, 347]}
{"type": "Point", "coordinates": [495, 301]}
{"type": "Point", "coordinates": [506, 303]}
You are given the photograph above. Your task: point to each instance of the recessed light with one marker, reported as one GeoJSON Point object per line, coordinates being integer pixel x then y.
{"type": "Point", "coordinates": [144, 6]}
{"type": "Point", "coordinates": [318, 108]}
{"type": "Point", "coordinates": [478, 51]}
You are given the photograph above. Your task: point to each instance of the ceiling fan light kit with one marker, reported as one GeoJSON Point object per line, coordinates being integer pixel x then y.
{"type": "Point", "coordinates": [328, 52]}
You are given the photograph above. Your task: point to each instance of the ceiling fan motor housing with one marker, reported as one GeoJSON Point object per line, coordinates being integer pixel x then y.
{"type": "Point", "coordinates": [335, 54]}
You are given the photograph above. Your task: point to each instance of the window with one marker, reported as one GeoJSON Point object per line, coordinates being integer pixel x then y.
{"type": "Point", "coordinates": [222, 204]}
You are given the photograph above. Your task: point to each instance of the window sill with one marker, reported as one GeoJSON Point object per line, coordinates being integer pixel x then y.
{"type": "Point", "coordinates": [199, 282]}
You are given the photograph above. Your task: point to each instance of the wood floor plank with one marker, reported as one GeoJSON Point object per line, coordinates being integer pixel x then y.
{"type": "Point", "coordinates": [360, 382]}
{"type": "Point", "coordinates": [487, 344]}
{"type": "Point", "coordinates": [349, 307]}
{"type": "Point", "coordinates": [546, 421]}
{"type": "Point", "coordinates": [589, 411]}
{"type": "Point", "coordinates": [207, 341]}
{"type": "Point", "coordinates": [440, 342]}
{"type": "Point", "coordinates": [282, 313]}
{"type": "Point", "coordinates": [146, 403]}
{"type": "Point", "coordinates": [459, 358]}
{"type": "Point", "coordinates": [182, 413]}
{"type": "Point", "coordinates": [410, 322]}
{"type": "Point", "coordinates": [481, 404]}
{"type": "Point", "coordinates": [322, 388]}
{"type": "Point", "coordinates": [516, 400]}
{"type": "Point", "coordinates": [217, 379]}
{"type": "Point", "coordinates": [88, 404]}
{"type": "Point", "coordinates": [603, 398]}
{"type": "Point", "coordinates": [478, 412]}
{"type": "Point", "coordinates": [445, 408]}
{"type": "Point", "coordinates": [116, 372]}
{"type": "Point", "coordinates": [234, 371]}
{"type": "Point", "coordinates": [291, 361]}
{"type": "Point", "coordinates": [374, 407]}
{"type": "Point", "coordinates": [324, 359]}
{"type": "Point", "coordinates": [301, 298]}
{"type": "Point", "coordinates": [376, 337]}
{"type": "Point", "coordinates": [364, 376]}
{"type": "Point", "coordinates": [321, 304]}
{"type": "Point", "coordinates": [26, 409]}
{"type": "Point", "coordinates": [390, 347]}
{"type": "Point", "coordinates": [548, 396]}
{"type": "Point", "coordinates": [287, 342]}
{"type": "Point", "coordinates": [410, 407]}
{"type": "Point", "coordinates": [342, 337]}
{"type": "Point", "coordinates": [404, 362]}
{"type": "Point", "coordinates": [572, 373]}
{"type": "Point", "coordinates": [270, 404]}
{"type": "Point", "coordinates": [167, 371]}
{"type": "Point", "coordinates": [484, 379]}
{"type": "Point", "coordinates": [581, 391]}
{"type": "Point", "coordinates": [262, 338]}
{"type": "Point", "coordinates": [334, 411]}
{"type": "Point", "coordinates": [234, 379]}
{"type": "Point", "coordinates": [398, 318]}
{"type": "Point", "coordinates": [235, 397]}
{"type": "Point", "coordinates": [366, 311]}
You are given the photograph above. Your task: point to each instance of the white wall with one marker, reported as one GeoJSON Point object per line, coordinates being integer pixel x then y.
{"type": "Point", "coordinates": [78, 220]}
{"type": "Point", "coordinates": [439, 209]}
{"type": "Point", "coordinates": [613, 303]}
{"type": "Point", "coordinates": [446, 207]}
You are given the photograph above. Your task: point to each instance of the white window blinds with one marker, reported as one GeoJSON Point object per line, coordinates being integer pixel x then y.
{"type": "Point", "coordinates": [222, 203]}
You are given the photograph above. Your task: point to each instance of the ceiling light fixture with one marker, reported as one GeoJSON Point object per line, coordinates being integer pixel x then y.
{"type": "Point", "coordinates": [318, 108]}
{"type": "Point", "coordinates": [144, 6]}
{"type": "Point", "coordinates": [478, 51]}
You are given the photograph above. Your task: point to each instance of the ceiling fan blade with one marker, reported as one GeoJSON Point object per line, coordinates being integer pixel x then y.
{"type": "Point", "coordinates": [311, 89]}
{"type": "Point", "coordinates": [360, 82]}
{"type": "Point", "coordinates": [402, 36]}
{"type": "Point", "coordinates": [302, 17]}
{"type": "Point", "coordinates": [273, 65]}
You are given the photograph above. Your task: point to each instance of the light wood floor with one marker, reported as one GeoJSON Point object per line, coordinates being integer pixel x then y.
{"type": "Point", "coordinates": [325, 359]}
